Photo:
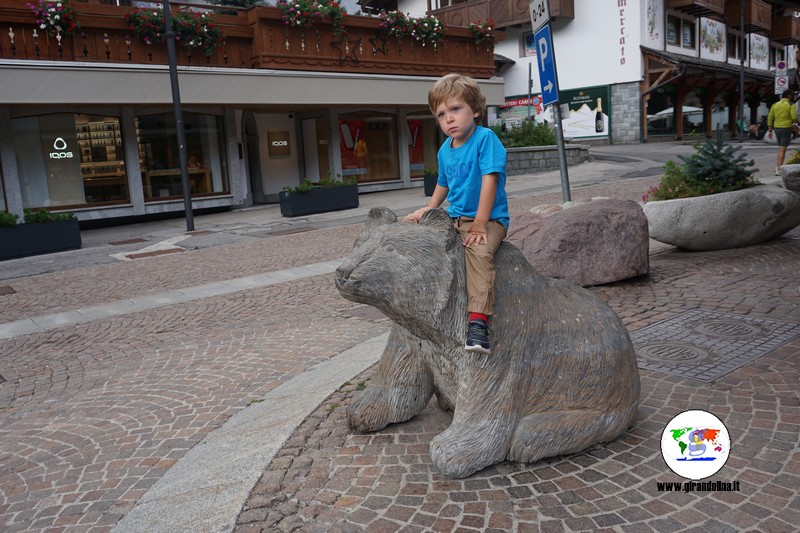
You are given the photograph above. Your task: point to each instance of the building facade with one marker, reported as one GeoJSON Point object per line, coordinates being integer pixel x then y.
{"type": "Point", "coordinates": [87, 122]}
{"type": "Point", "coordinates": [650, 69]}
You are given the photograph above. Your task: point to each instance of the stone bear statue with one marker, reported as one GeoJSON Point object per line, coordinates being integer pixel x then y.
{"type": "Point", "coordinates": [562, 374]}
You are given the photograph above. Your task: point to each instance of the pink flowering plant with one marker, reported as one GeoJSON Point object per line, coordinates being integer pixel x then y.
{"type": "Point", "coordinates": [484, 32]}
{"type": "Point", "coordinates": [197, 30]}
{"type": "Point", "coordinates": [299, 13]}
{"type": "Point", "coordinates": [147, 25]}
{"type": "Point", "coordinates": [395, 23]}
{"type": "Point", "coordinates": [335, 14]}
{"type": "Point", "coordinates": [427, 30]}
{"type": "Point", "coordinates": [55, 18]}
{"type": "Point", "coordinates": [304, 13]}
{"type": "Point", "coordinates": [191, 29]}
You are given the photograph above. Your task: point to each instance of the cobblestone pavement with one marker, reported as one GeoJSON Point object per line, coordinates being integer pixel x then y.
{"type": "Point", "coordinates": [93, 414]}
{"type": "Point", "coordinates": [328, 479]}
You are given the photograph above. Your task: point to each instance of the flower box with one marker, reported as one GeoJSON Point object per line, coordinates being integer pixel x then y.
{"type": "Point", "coordinates": [318, 200]}
{"type": "Point", "coordinates": [23, 240]}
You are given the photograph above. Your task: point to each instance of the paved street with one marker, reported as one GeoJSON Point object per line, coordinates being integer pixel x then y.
{"type": "Point", "coordinates": [159, 381]}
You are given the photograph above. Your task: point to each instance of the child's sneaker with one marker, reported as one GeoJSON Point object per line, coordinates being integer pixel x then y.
{"type": "Point", "coordinates": [777, 172]}
{"type": "Point", "coordinates": [478, 337]}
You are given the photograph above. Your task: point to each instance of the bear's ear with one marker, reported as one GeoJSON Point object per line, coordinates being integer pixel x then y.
{"type": "Point", "coordinates": [378, 216]}
{"type": "Point", "coordinates": [441, 221]}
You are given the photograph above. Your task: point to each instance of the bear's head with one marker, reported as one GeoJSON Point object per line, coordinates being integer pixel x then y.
{"type": "Point", "coordinates": [406, 270]}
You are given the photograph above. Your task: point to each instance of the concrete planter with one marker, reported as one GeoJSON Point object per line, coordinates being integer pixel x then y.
{"type": "Point", "coordinates": [318, 200]}
{"type": "Point", "coordinates": [23, 240]}
{"type": "Point", "coordinates": [725, 220]}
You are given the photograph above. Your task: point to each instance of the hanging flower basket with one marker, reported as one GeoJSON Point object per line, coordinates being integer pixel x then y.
{"type": "Point", "coordinates": [484, 32]}
{"type": "Point", "coordinates": [55, 18]}
{"type": "Point", "coordinates": [304, 13]}
{"type": "Point", "coordinates": [192, 30]}
{"type": "Point", "coordinates": [424, 30]}
{"type": "Point", "coordinates": [427, 30]}
{"type": "Point", "coordinates": [395, 23]}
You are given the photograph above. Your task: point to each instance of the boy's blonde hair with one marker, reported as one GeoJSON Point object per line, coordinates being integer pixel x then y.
{"type": "Point", "coordinates": [458, 86]}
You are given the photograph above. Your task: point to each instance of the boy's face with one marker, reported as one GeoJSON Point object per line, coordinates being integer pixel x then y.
{"type": "Point", "coordinates": [456, 119]}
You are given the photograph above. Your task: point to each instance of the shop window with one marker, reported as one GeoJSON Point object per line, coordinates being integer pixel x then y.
{"type": "Point", "coordinates": [102, 159]}
{"type": "Point", "coordinates": [368, 146]}
{"type": "Point", "coordinates": [423, 144]}
{"type": "Point", "coordinates": [160, 161]}
{"type": "Point", "coordinates": [69, 160]}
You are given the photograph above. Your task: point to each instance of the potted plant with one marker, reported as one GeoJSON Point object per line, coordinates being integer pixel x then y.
{"type": "Point", "coordinates": [327, 195]}
{"type": "Point", "coordinates": [484, 33]}
{"type": "Point", "coordinates": [424, 30]}
{"type": "Point", "coordinates": [192, 30]}
{"type": "Point", "coordinates": [42, 232]}
{"type": "Point", "coordinates": [57, 18]}
{"type": "Point", "coordinates": [712, 202]}
{"type": "Point", "coordinates": [430, 178]}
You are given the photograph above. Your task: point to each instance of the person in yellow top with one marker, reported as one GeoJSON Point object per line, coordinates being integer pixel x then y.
{"type": "Point", "coordinates": [782, 115]}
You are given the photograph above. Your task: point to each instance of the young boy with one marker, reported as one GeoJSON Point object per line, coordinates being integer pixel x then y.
{"type": "Point", "coordinates": [472, 178]}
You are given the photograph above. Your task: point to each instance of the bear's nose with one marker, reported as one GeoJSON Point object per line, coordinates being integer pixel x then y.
{"type": "Point", "coordinates": [342, 274]}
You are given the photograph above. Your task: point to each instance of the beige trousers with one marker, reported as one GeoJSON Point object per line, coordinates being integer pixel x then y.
{"type": "Point", "coordinates": [480, 265]}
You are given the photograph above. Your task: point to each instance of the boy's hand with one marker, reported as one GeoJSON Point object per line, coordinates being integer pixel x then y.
{"type": "Point", "coordinates": [416, 215]}
{"type": "Point", "coordinates": [477, 234]}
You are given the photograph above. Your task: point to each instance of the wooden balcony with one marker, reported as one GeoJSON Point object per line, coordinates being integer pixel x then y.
{"type": "Point", "coordinates": [504, 12]}
{"type": "Point", "coordinates": [714, 9]}
{"type": "Point", "coordinates": [757, 15]}
{"type": "Point", "coordinates": [786, 30]}
{"type": "Point", "coordinates": [253, 38]}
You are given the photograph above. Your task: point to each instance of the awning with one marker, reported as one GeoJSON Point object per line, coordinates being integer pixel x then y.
{"type": "Point", "coordinates": [669, 67]}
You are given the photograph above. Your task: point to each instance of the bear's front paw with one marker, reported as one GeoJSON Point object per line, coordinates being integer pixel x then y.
{"type": "Point", "coordinates": [457, 453]}
{"type": "Point", "coordinates": [368, 412]}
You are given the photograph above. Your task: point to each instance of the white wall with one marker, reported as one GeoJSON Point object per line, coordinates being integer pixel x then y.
{"type": "Point", "coordinates": [516, 77]}
{"type": "Point", "coordinates": [600, 46]}
{"type": "Point", "coordinates": [277, 172]}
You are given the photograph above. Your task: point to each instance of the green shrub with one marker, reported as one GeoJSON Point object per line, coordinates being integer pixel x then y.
{"type": "Point", "coordinates": [529, 133]}
{"type": "Point", "coordinates": [715, 167]}
{"type": "Point", "coordinates": [8, 220]}
{"type": "Point", "coordinates": [41, 216]}
{"type": "Point", "coordinates": [307, 185]}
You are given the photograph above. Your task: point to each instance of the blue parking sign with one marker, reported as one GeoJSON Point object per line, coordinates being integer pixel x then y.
{"type": "Point", "coordinates": [546, 62]}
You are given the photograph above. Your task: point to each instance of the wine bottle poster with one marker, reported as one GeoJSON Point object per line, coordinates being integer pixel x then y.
{"type": "Point", "coordinates": [588, 112]}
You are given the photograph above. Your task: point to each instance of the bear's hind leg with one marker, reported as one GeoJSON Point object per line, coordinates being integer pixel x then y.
{"type": "Point", "coordinates": [552, 433]}
{"type": "Point", "coordinates": [399, 390]}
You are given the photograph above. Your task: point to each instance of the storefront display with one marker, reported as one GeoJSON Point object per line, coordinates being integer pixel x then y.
{"type": "Point", "coordinates": [69, 160]}
{"type": "Point", "coordinates": [368, 146]}
{"type": "Point", "coordinates": [160, 162]}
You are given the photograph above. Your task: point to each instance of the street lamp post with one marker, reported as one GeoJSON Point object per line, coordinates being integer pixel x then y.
{"type": "Point", "coordinates": [176, 103]}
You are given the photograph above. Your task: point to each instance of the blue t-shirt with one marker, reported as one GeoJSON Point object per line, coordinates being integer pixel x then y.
{"type": "Point", "coordinates": [461, 170]}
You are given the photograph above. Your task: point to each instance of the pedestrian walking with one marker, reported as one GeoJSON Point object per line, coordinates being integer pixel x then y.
{"type": "Point", "coordinates": [782, 116]}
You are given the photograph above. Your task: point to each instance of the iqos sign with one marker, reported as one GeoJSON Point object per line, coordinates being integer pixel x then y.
{"type": "Point", "coordinates": [280, 143]}
{"type": "Point", "coordinates": [60, 149]}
